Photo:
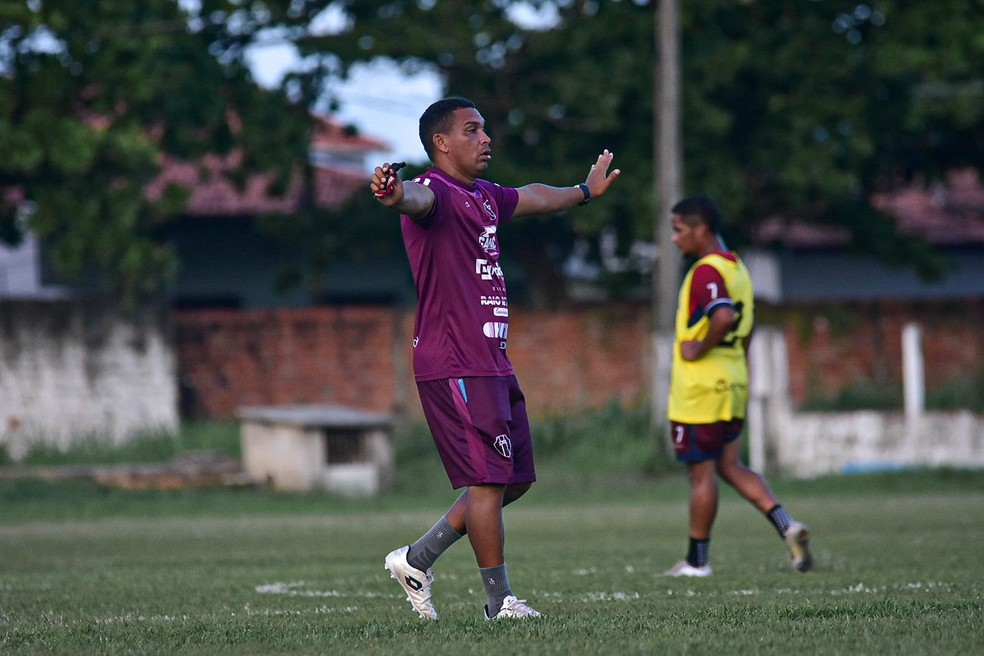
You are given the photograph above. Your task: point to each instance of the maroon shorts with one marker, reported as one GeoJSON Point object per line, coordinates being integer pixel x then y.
{"type": "Point", "coordinates": [480, 428]}
{"type": "Point", "coordinates": [697, 442]}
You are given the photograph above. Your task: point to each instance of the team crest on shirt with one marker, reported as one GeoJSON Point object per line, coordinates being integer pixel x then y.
{"type": "Point", "coordinates": [503, 445]}
{"type": "Point", "coordinates": [488, 241]}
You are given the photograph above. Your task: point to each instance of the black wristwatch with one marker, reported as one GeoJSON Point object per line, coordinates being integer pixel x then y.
{"type": "Point", "coordinates": [587, 193]}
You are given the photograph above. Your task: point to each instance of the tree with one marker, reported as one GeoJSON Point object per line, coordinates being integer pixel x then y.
{"type": "Point", "coordinates": [548, 96]}
{"type": "Point", "coordinates": [792, 109]}
{"type": "Point", "coordinates": [803, 109]}
{"type": "Point", "coordinates": [92, 95]}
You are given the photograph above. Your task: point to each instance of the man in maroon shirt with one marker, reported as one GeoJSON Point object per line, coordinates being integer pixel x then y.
{"type": "Point", "coordinates": [474, 406]}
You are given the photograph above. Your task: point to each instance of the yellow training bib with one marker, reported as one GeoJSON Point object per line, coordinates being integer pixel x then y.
{"type": "Point", "coordinates": [715, 387]}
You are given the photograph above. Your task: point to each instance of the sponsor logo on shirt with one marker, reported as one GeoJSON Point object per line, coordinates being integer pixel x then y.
{"type": "Point", "coordinates": [498, 304]}
{"type": "Point", "coordinates": [488, 241]}
{"type": "Point", "coordinates": [496, 329]}
{"type": "Point", "coordinates": [723, 387]}
{"type": "Point", "coordinates": [487, 270]}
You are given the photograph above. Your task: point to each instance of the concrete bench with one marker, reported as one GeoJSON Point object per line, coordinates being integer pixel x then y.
{"type": "Point", "coordinates": [307, 447]}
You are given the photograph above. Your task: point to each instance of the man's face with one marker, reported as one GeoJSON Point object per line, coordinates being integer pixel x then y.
{"type": "Point", "coordinates": [466, 142]}
{"type": "Point", "coordinates": [686, 236]}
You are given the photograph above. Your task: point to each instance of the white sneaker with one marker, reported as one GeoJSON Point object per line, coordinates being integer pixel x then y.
{"type": "Point", "coordinates": [797, 539]}
{"type": "Point", "coordinates": [416, 583]}
{"type": "Point", "coordinates": [683, 568]}
{"type": "Point", "coordinates": [512, 608]}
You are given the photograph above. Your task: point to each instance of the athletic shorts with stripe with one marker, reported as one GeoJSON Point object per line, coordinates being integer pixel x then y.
{"type": "Point", "coordinates": [480, 428]}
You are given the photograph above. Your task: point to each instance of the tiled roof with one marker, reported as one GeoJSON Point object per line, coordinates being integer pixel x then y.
{"type": "Point", "coordinates": [213, 194]}
{"type": "Point", "coordinates": [799, 234]}
{"type": "Point", "coordinates": [332, 134]}
{"type": "Point", "coordinates": [944, 214]}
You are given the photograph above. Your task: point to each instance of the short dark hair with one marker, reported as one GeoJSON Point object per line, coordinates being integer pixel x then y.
{"type": "Point", "coordinates": [699, 209]}
{"type": "Point", "coordinates": [436, 118]}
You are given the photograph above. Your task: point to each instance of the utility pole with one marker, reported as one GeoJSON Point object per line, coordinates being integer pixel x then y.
{"type": "Point", "coordinates": [668, 155]}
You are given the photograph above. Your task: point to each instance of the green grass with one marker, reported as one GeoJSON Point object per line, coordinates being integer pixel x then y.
{"type": "Point", "coordinates": [150, 447]}
{"type": "Point", "coordinates": [91, 570]}
{"type": "Point", "coordinates": [897, 573]}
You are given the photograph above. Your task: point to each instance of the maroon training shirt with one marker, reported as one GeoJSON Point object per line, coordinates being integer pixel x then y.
{"type": "Point", "coordinates": [462, 313]}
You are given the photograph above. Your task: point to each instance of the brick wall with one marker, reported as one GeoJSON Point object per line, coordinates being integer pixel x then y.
{"type": "Point", "coordinates": [835, 346]}
{"type": "Point", "coordinates": [345, 356]}
{"type": "Point", "coordinates": [565, 360]}
{"type": "Point", "coordinates": [360, 356]}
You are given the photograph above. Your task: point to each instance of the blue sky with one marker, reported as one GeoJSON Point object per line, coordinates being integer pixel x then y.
{"type": "Point", "coordinates": [378, 99]}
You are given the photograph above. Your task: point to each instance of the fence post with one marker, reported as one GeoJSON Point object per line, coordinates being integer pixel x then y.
{"type": "Point", "coordinates": [914, 383]}
{"type": "Point", "coordinates": [760, 377]}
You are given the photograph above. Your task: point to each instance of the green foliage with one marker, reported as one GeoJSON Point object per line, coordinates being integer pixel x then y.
{"type": "Point", "coordinates": [92, 97]}
{"type": "Point", "coordinates": [598, 443]}
{"type": "Point", "coordinates": [861, 395]}
{"type": "Point", "coordinates": [549, 97]}
{"type": "Point", "coordinates": [220, 436]}
{"type": "Point", "coordinates": [825, 108]}
{"type": "Point", "coordinates": [611, 448]}
{"type": "Point", "coordinates": [965, 392]}
{"type": "Point", "coordinates": [961, 393]}
{"type": "Point", "coordinates": [793, 109]}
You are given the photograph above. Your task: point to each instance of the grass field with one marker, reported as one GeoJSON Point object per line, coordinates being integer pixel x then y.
{"type": "Point", "coordinates": [898, 572]}
{"type": "Point", "coordinates": [89, 570]}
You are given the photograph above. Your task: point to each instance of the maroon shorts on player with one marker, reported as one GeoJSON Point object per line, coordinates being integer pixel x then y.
{"type": "Point", "coordinates": [480, 428]}
{"type": "Point", "coordinates": [697, 442]}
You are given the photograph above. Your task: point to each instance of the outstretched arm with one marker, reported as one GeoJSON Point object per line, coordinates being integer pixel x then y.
{"type": "Point", "coordinates": [539, 198]}
{"type": "Point", "coordinates": [407, 198]}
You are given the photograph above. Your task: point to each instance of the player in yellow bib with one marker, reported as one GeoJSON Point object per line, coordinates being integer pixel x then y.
{"type": "Point", "coordinates": [714, 386]}
{"type": "Point", "coordinates": [709, 386]}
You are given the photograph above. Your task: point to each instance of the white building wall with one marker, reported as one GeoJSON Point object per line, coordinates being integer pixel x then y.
{"type": "Point", "coordinates": [71, 370]}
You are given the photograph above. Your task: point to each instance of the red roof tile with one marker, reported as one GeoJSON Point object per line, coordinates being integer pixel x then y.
{"type": "Point", "coordinates": [943, 214]}
{"type": "Point", "coordinates": [213, 194]}
{"type": "Point", "coordinates": [329, 133]}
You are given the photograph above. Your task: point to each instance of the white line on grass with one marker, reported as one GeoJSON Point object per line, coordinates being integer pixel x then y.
{"type": "Point", "coordinates": [130, 618]}
{"type": "Point", "coordinates": [859, 588]}
{"type": "Point", "coordinates": [296, 589]}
